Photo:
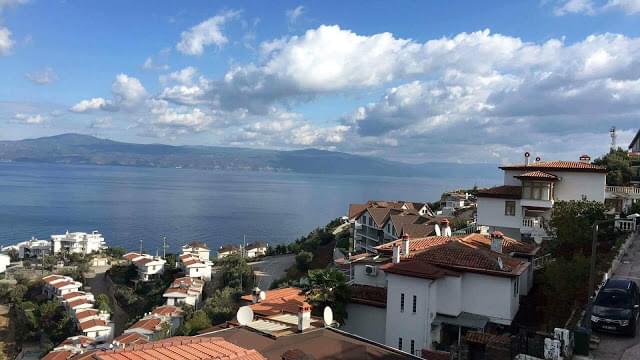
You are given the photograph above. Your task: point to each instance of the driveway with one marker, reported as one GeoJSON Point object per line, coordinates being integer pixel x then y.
{"type": "Point", "coordinates": [271, 268]}
{"type": "Point", "coordinates": [616, 347]}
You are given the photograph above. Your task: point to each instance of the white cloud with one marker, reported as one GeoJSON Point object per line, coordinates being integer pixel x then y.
{"type": "Point", "coordinates": [180, 120]}
{"type": "Point", "coordinates": [158, 61]}
{"type": "Point", "coordinates": [630, 7]}
{"type": "Point", "coordinates": [184, 76]}
{"type": "Point", "coordinates": [6, 43]}
{"type": "Point", "coordinates": [575, 7]}
{"type": "Point", "coordinates": [4, 4]}
{"type": "Point", "coordinates": [294, 14]}
{"type": "Point", "coordinates": [29, 119]}
{"type": "Point", "coordinates": [127, 91]}
{"type": "Point", "coordinates": [91, 104]}
{"type": "Point", "coordinates": [592, 7]}
{"type": "Point", "coordinates": [101, 123]}
{"type": "Point", "coordinates": [208, 32]}
{"type": "Point", "coordinates": [42, 77]}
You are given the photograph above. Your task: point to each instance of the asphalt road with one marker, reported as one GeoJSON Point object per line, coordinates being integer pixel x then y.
{"type": "Point", "coordinates": [271, 268]}
{"type": "Point", "coordinates": [617, 347]}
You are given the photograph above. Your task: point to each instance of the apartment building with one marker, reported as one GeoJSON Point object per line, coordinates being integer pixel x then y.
{"type": "Point", "coordinates": [30, 248]}
{"type": "Point", "coordinates": [255, 249]}
{"type": "Point", "coordinates": [59, 285]}
{"type": "Point", "coordinates": [77, 243]}
{"type": "Point", "coordinates": [423, 293]}
{"type": "Point", "coordinates": [197, 249]}
{"type": "Point", "coordinates": [194, 261]}
{"type": "Point", "coordinates": [521, 207]}
{"type": "Point", "coordinates": [634, 152]}
{"type": "Point", "coordinates": [378, 222]}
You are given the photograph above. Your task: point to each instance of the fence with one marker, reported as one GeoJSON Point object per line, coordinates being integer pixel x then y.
{"type": "Point", "coordinates": [626, 224]}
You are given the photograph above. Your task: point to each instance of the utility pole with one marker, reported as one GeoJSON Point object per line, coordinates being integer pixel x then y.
{"type": "Point", "coordinates": [140, 246]}
{"type": "Point", "coordinates": [244, 244]}
{"type": "Point", "coordinates": [164, 247]}
{"type": "Point", "coordinates": [592, 269]}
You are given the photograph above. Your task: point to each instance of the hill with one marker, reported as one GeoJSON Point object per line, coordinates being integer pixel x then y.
{"type": "Point", "coordinates": [85, 149]}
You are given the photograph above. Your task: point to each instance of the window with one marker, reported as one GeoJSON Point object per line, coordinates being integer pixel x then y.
{"type": "Point", "coordinates": [400, 343]}
{"type": "Point", "coordinates": [370, 221]}
{"type": "Point", "coordinates": [516, 287]}
{"type": "Point", "coordinates": [389, 227]}
{"type": "Point", "coordinates": [536, 190]}
{"type": "Point", "coordinates": [510, 208]}
{"type": "Point", "coordinates": [402, 302]}
{"type": "Point", "coordinates": [415, 300]}
{"type": "Point", "coordinates": [584, 197]}
{"type": "Point", "coordinates": [413, 346]}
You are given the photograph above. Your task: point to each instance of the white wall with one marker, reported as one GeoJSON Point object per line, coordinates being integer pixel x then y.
{"type": "Point", "coordinates": [490, 296]}
{"type": "Point", "coordinates": [366, 321]}
{"type": "Point", "coordinates": [491, 213]}
{"type": "Point", "coordinates": [407, 324]}
{"type": "Point", "coordinates": [449, 295]}
{"type": "Point", "coordinates": [361, 277]}
{"type": "Point", "coordinates": [574, 184]}
{"type": "Point", "coordinates": [509, 177]}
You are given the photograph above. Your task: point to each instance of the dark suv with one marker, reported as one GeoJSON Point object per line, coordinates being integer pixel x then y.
{"type": "Point", "coordinates": [616, 307]}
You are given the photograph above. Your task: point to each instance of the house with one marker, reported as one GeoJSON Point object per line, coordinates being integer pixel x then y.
{"type": "Point", "coordinates": [226, 250]}
{"type": "Point", "coordinates": [255, 249]}
{"type": "Point", "coordinates": [30, 248]}
{"type": "Point", "coordinates": [97, 329]}
{"type": "Point", "coordinates": [172, 315]}
{"type": "Point", "coordinates": [521, 207]}
{"type": "Point", "coordinates": [77, 295]}
{"type": "Point", "coordinates": [78, 243]}
{"type": "Point", "coordinates": [58, 285]}
{"type": "Point", "coordinates": [379, 222]}
{"type": "Point", "coordinates": [148, 266]}
{"type": "Point", "coordinates": [276, 301]}
{"type": "Point", "coordinates": [151, 327]}
{"type": "Point", "coordinates": [451, 202]}
{"type": "Point", "coordinates": [634, 154]}
{"type": "Point", "coordinates": [421, 292]}
{"type": "Point", "coordinates": [129, 339]}
{"type": "Point", "coordinates": [75, 306]}
{"type": "Point", "coordinates": [5, 260]}
{"type": "Point", "coordinates": [197, 249]}
{"type": "Point", "coordinates": [184, 290]}
{"type": "Point", "coordinates": [195, 267]}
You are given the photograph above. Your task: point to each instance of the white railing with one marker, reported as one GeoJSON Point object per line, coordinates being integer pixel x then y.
{"type": "Point", "coordinates": [540, 262]}
{"type": "Point", "coordinates": [469, 229]}
{"type": "Point", "coordinates": [533, 223]}
{"type": "Point", "coordinates": [623, 190]}
{"type": "Point", "coordinates": [625, 224]}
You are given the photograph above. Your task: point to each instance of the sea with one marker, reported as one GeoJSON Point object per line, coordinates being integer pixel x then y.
{"type": "Point", "coordinates": [129, 204]}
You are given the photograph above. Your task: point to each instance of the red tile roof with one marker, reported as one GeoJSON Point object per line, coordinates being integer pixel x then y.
{"type": "Point", "coordinates": [82, 340]}
{"type": "Point", "coordinates": [143, 261]}
{"type": "Point", "coordinates": [167, 310]}
{"type": "Point", "coordinates": [132, 338]}
{"type": "Point", "coordinates": [84, 326]}
{"type": "Point", "coordinates": [355, 210]}
{"type": "Point", "coordinates": [131, 256]}
{"type": "Point", "coordinates": [86, 313]}
{"type": "Point", "coordinates": [369, 295]}
{"type": "Point", "coordinates": [278, 301]}
{"type": "Point", "coordinates": [537, 175]}
{"type": "Point", "coordinates": [53, 277]}
{"type": "Point", "coordinates": [416, 244]}
{"type": "Point", "coordinates": [58, 355]}
{"type": "Point", "coordinates": [418, 268]}
{"type": "Point", "coordinates": [62, 284]}
{"type": "Point", "coordinates": [557, 165]}
{"type": "Point", "coordinates": [435, 355]}
{"type": "Point", "coordinates": [191, 348]}
{"type": "Point", "coordinates": [196, 244]}
{"type": "Point", "coordinates": [509, 245]}
{"type": "Point", "coordinates": [502, 192]}
{"type": "Point", "coordinates": [73, 294]}
{"type": "Point", "coordinates": [75, 303]}
{"type": "Point", "coordinates": [147, 324]}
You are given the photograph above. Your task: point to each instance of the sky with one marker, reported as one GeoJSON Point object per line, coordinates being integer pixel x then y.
{"type": "Point", "coordinates": [414, 81]}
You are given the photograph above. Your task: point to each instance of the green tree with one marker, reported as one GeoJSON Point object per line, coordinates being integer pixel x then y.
{"type": "Point", "coordinates": [571, 225]}
{"type": "Point", "coordinates": [198, 321]}
{"type": "Point", "coordinates": [565, 286]}
{"type": "Point", "coordinates": [328, 287]}
{"type": "Point", "coordinates": [222, 305]}
{"type": "Point", "coordinates": [18, 292]}
{"type": "Point", "coordinates": [618, 167]}
{"type": "Point", "coordinates": [236, 271]}
{"type": "Point", "coordinates": [115, 252]}
{"type": "Point", "coordinates": [102, 303]}
{"type": "Point", "coordinates": [303, 260]}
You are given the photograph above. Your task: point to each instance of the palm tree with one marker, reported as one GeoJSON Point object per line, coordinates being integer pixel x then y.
{"type": "Point", "coordinates": [328, 287]}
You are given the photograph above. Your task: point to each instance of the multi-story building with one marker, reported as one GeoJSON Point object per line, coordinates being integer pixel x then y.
{"type": "Point", "coordinates": [197, 249]}
{"type": "Point", "coordinates": [184, 290]}
{"type": "Point", "coordinates": [424, 293]}
{"type": "Point", "coordinates": [451, 202]}
{"type": "Point", "coordinates": [634, 153]}
{"type": "Point", "coordinates": [521, 207]}
{"type": "Point", "coordinates": [195, 267]}
{"type": "Point", "coordinates": [58, 285]}
{"type": "Point", "coordinates": [227, 250]}
{"type": "Point", "coordinates": [77, 243]}
{"type": "Point", "coordinates": [30, 248]}
{"type": "Point", "coordinates": [255, 249]}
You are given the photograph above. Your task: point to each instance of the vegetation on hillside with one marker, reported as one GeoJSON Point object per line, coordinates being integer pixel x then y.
{"type": "Point", "coordinates": [618, 166]}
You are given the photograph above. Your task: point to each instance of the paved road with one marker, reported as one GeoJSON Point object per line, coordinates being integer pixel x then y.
{"type": "Point", "coordinates": [271, 268]}
{"type": "Point", "coordinates": [617, 347]}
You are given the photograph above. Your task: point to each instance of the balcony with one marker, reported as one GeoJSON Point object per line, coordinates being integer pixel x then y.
{"type": "Point", "coordinates": [625, 190]}
{"type": "Point", "coordinates": [547, 204]}
{"type": "Point", "coordinates": [534, 227]}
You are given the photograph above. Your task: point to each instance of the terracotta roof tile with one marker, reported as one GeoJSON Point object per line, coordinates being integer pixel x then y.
{"type": "Point", "coordinates": [355, 210]}
{"type": "Point", "coordinates": [62, 284]}
{"type": "Point", "coordinates": [132, 338]}
{"type": "Point", "coordinates": [369, 295]}
{"type": "Point", "coordinates": [502, 192]}
{"type": "Point", "coordinates": [84, 326]}
{"type": "Point", "coordinates": [147, 324]}
{"type": "Point", "coordinates": [285, 300]}
{"type": "Point", "coordinates": [131, 256]}
{"type": "Point", "coordinates": [557, 165]}
{"type": "Point", "coordinates": [537, 175]}
{"type": "Point", "coordinates": [143, 261]}
{"type": "Point", "coordinates": [73, 294]}
{"type": "Point", "coordinates": [196, 244]}
{"type": "Point", "coordinates": [79, 302]}
{"type": "Point", "coordinates": [58, 355]}
{"type": "Point", "coordinates": [167, 310]}
{"type": "Point", "coordinates": [86, 313]}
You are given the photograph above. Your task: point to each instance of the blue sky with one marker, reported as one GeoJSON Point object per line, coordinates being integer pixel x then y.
{"type": "Point", "coordinates": [409, 80]}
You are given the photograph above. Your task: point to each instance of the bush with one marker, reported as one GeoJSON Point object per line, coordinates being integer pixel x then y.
{"type": "Point", "coordinates": [565, 286]}
{"type": "Point", "coordinates": [198, 321]}
{"type": "Point", "coordinates": [102, 303]}
{"type": "Point", "coordinates": [222, 305]}
{"type": "Point", "coordinates": [303, 260]}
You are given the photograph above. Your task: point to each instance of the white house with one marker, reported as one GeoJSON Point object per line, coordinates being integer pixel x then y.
{"type": "Point", "coordinates": [31, 248]}
{"type": "Point", "coordinates": [5, 260]}
{"type": "Point", "coordinates": [77, 295]}
{"type": "Point", "coordinates": [197, 249]}
{"type": "Point", "coordinates": [184, 290]}
{"type": "Point", "coordinates": [148, 266]}
{"type": "Point", "coordinates": [97, 329]}
{"type": "Point", "coordinates": [195, 267]}
{"type": "Point", "coordinates": [227, 250]}
{"type": "Point", "coordinates": [77, 243]}
{"type": "Point", "coordinates": [256, 249]}
{"type": "Point", "coordinates": [58, 285]}
{"type": "Point", "coordinates": [522, 206]}
{"type": "Point", "coordinates": [151, 327]}
{"type": "Point", "coordinates": [170, 314]}
{"type": "Point", "coordinates": [451, 202]}
{"type": "Point", "coordinates": [422, 293]}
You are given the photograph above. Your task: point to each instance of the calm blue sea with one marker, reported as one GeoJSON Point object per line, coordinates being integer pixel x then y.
{"type": "Point", "coordinates": [127, 204]}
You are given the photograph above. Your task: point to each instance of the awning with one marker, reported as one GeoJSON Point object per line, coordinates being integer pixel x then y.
{"type": "Point", "coordinates": [465, 319]}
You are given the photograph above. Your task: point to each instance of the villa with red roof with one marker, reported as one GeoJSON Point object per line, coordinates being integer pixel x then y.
{"type": "Point", "coordinates": [148, 266]}
{"type": "Point", "coordinates": [521, 207]}
{"type": "Point", "coordinates": [184, 290]}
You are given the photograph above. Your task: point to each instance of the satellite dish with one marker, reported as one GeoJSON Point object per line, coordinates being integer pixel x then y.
{"type": "Point", "coordinates": [437, 229]}
{"type": "Point", "coordinates": [244, 315]}
{"type": "Point", "coordinates": [262, 296]}
{"type": "Point", "coordinates": [328, 316]}
{"type": "Point", "coordinates": [500, 264]}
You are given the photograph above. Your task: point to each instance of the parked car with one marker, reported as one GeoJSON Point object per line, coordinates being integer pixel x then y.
{"type": "Point", "coordinates": [617, 307]}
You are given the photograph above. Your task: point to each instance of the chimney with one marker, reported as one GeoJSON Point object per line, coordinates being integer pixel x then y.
{"type": "Point", "coordinates": [255, 295]}
{"type": "Point", "coordinates": [446, 229]}
{"type": "Point", "coordinates": [526, 158]}
{"type": "Point", "coordinates": [584, 158]}
{"type": "Point", "coordinates": [538, 159]}
{"type": "Point", "coordinates": [304, 317]}
{"type": "Point", "coordinates": [496, 241]}
{"type": "Point", "coordinates": [405, 244]}
{"type": "Point", "coordinates": [395, 258]}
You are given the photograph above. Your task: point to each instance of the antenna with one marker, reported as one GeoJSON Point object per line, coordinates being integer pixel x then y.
{"type": "Point", "coordinates": [612, 133]}
{"type": "Point", "coordinates": [244, 315]}
{"type": "Point", "coordinates": [164, 246]}
{"type": "Point", "coordinates": [327, 316]}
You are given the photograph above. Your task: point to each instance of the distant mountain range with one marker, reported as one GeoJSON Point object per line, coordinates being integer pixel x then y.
{"type": "Point", "coordinates": [85, 149]}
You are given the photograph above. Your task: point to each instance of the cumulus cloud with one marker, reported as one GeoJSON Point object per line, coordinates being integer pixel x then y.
{"type": "Point", "coordinates": [208, 32]}
{"type": "Point", "coordinates": [184, 76]}
{"type": "Point", "coordinates": [630, 7]}
{"type": "Point", "coordinates": [128, 93]}
{"type": "Point", "coordinates": [42, 77]}
{"type": "Point", "coordinates": [101, 123]}
{"type": "Point", "coordinates": [158, 62]}
{"type": "Point", "coordinates": [592, 7]}
{"type": "Point", "coordinates": [574, 7]}
{"type": "Point", "coordinates": [29, 119]}
{"type": "Point", "coordinates": [294, 14]}
{"type": "Point", "coordinates": [6, 43]}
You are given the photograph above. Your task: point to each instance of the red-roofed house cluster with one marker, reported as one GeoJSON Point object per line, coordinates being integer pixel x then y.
{"type": "Point", "coordinates": [184, 290]}
{"type": "Point", "coordinates": [417, 293]}
{"type": "Point", "coordinates": [195, 262]}
{"type": "Point", "coordinates": [148, 266]}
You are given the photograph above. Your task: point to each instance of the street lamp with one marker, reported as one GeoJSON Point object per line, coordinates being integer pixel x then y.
{"type": "Point", "coordinates": [592, 269]}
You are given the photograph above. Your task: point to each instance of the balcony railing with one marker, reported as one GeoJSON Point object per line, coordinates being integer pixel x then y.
{"type": "Point", "coordinates": [532, 223]}
{"type": "Point", "coordinates": [630, 190]}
